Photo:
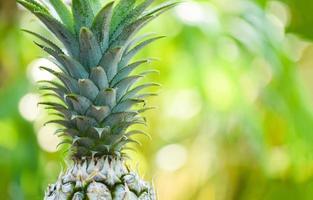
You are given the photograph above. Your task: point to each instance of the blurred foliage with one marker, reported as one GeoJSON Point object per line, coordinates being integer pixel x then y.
{"type": "Point", "coordinates": [302, 19]}
{"type": "Point", "coordinates": [234, 118]}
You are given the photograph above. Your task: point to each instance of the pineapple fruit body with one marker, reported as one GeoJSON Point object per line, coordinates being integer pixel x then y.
{"type": "Point", "coordinates": [105, 178]}
{"type": "Point", "coordinates": [97, 97]}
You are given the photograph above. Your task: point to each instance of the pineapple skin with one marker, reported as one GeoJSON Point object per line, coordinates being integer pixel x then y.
{"type": "Point", "coordinates": [106, 178]}
{"type": "Point", "coordinates": [97, 101]}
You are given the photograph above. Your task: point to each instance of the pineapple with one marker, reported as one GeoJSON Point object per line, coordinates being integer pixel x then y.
{"type": "Point", "coordinates": [98, 101]}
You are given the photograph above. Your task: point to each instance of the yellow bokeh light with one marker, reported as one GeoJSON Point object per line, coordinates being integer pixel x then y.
{"type": "Point", "coordinates": [36, 74]}
{"type": "Point", "coordinates": [47, 140]}
{"type": "Point", "coordinates": [220, 90]}
{"type": "Point", "coordinates": [171, 157]}
{"type": "Point", "coordinates": [28, 106]}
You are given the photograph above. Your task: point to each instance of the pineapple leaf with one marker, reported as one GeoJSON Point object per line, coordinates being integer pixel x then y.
{"type": "Point", "coordinates": [136, 40]}
{"type": "Point", "coordinates": [129, 55]}
{"type": "Point", "coordinates": [99, 77]}
{"type": "Point", "coordinates": [106, 97]}
{"type": "Point", "coordinates": [63, 110]}
{"type": "Point", "coordinates": [137, 132]}
{"type": "Point", "coordinates": [98, 112]}
{"type": "Point", "coordinates": [51, 104]}
{"type": "Point", "coordinates": [57, 91]}
{"type": "Point", "coordinates": [64, 141]}
{"type": "Point", "coordinates": [146, 95]}
{"type": "Point", "coordinates": [90, 52]}
{"type": "Point", "coordinates": [70, 83]}
{"type": "Point", "coordinates": [33, 6]}
{"type": "Point", "coordinates": [120, 13]}
{"type": "Point", "coordinates": [101, 25]}
{"type": "Point", "coordinates": [124, 85]}
{"type": "Point", "coordinates": [80, 103]}
{"type": "Point", "coordinates": [70, 132]}
{"type": "Point", "coordinates": [126, 105]}
{"type": "Point", "coordinates": [88, 89]}
{"type": "Point", "coordinates": [64, 13]}
{"type": "Point", "coordinates": [132, 93]}
{"type": "Point", "coordinates": [124, 72]}
{"type": "Point", "coordinates": [47, 41]}
{"type": "Point", "coordinates": [83, 14]}
{"type": "Point", "coordinates": [96, 99]}
{"type": "Point", "coordinates": [55, 55]}
{"type": "Point", "coordinates": [135, 13]}
{"type": "Point", "coordinates": [94, 132]}
{"type": "Point", "coordinates": [145, 109]}
{"type": "Point", "coordinates": [55, 84]}
{"type": "Point", "coordinates": [83, 142]}
{"type": "Point", "coordinates": [75, 69]}
{"type": "Point", "coordinates": [95, 5]}
{"type": "Point", "coordinates": [140, 9]}
{"type": "Point", "coordinates": [120, 38]}
{"type": "Point", "coordinates": [34, 2]}
{"type": "Point", "coordinates": [64, 123]}
{"type": "Point", "coordinates": [110, 60]}
{"type": "Point", "coordinates": [53, 95]}
{"type": "Point", "coordinates": [83, 123]}
{"type": "Point", "coordinates": [61, 32]}
{"type": "Point", "coordinates": [119, 117]}
{"type": "Point", "coordinates": [131, 16]}
{"type": "Point", "coordinates": [120, 144]}
{"type": "Point", "coordinates": [148, 72]}
{"type": "Point", "coordinates": [103, 132]}
{"type": "Point", "coordinates": [124, 125]}
{"type": "Point", "coordinates": [160, 9]}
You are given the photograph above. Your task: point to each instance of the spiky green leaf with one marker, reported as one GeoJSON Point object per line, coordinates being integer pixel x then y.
{"type": "Point", "coordinates": [90, 52]}
{"type": "Point", "coordinates": [120, 13]}
{"type": "Point", "coordinates": [64, 13]}
{"type": "Point", "coordinates": [83, 14]}
{"type": "Point", "coordinates": [75, 69]}
{"type": "Point", "coordinates": [101, 25]}
{"type": "Point", "coordinates": [110, 61]}
{"type": "Point", "coordinates": [88, 89]}
{"type": "Point", "coordinates": [61, 32]}
{"type": "Point", "coordinates": [106, 97]}
{"type": "Point", "coordinates": [99, 77]}
{"type": "Point", "coordinates": [132, 93]}
{"type": "Point", "coordinates": [124, 85]}
{"type": "Point", "coordinates": [47, 41]}
{"type": "Point", "coordinates": [124, 72]}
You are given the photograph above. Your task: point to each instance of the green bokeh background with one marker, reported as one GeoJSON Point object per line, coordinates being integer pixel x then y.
{"type": "Point", "coordinates": [234, 117]}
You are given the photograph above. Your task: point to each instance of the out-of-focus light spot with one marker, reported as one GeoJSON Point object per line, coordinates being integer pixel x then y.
{"type": "Point", "coordinates": [228, 49]}
{"type": "Point", "coordinates": [219, 89]}
{"type": "Point", "coordinates": [36, 74]}
{"type": "Point", "coordinates": [171, 157]}
{"type": "Point", "coordinates": [198, 14]}
{"type": "Point", "coordinates": [295, 47]}
{"type": "Point", "coordinates": [191, 13]}
{"type": "Point", "coordinates": [263, 71]}
{"type": "Point", "coordinates": [280, 11]}
{"type": "Point", "coordinates": [250, 88]}
{"type": "Point", "coordinates": [28, 106]}
{"type": "Point", "coordinates": [183, 104]}
{"type": "Point", "coordinates": [47, 140]}
{"type": "Point", "coordinates": [245, 33]}
{"type": "Point", "coordinates": [278, 161]}
{"type": "Point", "coordinates": [68, 1]}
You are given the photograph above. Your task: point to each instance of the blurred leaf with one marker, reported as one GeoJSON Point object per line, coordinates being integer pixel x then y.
{"type": "Point", "coordinates": [301, 17]}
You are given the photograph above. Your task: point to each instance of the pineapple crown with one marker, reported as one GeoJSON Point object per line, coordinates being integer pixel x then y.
{"type": "Point", "coordinates": [96, 87]}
